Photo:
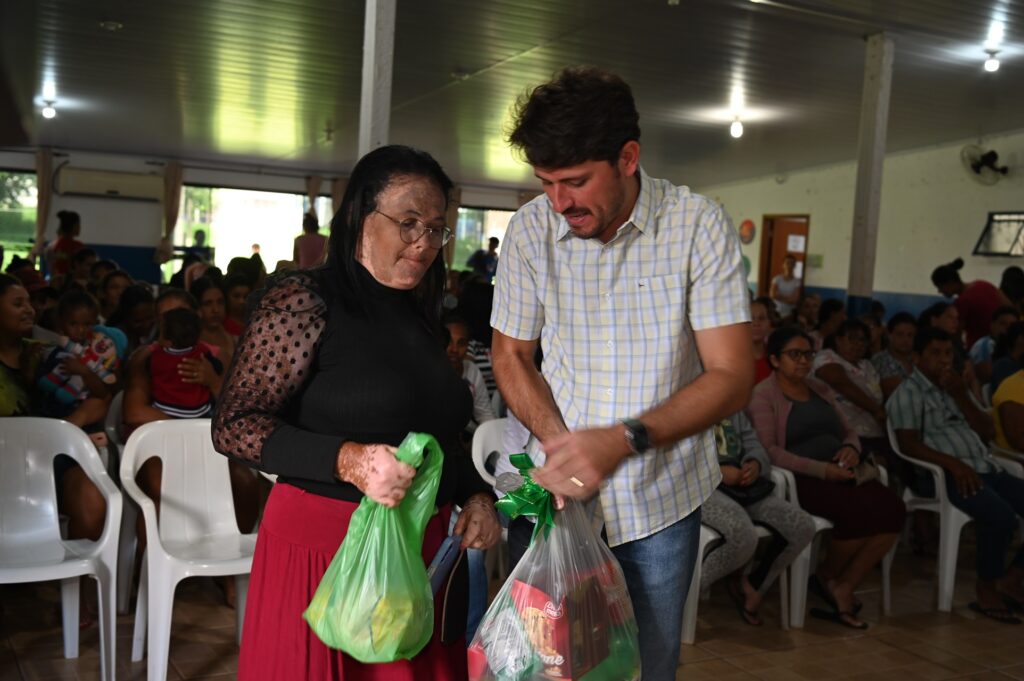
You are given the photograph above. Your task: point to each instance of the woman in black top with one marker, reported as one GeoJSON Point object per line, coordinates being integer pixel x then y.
{"type": "Point", "coordinates": [335, 367]}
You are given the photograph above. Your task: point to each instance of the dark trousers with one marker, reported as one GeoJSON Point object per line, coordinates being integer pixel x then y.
{"type": "Point", "coordinates": [995, 510]}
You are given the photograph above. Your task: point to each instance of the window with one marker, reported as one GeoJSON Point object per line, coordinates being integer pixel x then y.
{"type": "Point", "coordinates": [1003, 235]}
{"type": "Point", "coordinates": [474, 228]}
{"type": "Point", "coordinates": [17, 213]}
{"type": "Point", "coordinates": [234, 221]}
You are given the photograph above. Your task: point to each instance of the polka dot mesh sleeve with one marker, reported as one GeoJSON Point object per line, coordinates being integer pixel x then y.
{"type": "Point", "coordinates": [272, 361]}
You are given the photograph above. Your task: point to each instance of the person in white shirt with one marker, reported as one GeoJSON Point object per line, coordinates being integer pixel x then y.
{"type": "Point", "coordinates": [635, 290]}
{"type": "Point", "coordinates": [458, 348]}
{"type": "Point", "coordinates": [785, 288]}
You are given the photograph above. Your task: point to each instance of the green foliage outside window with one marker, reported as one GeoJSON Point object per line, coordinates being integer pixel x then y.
{"type": "Point", "coordinates": [17, 213]}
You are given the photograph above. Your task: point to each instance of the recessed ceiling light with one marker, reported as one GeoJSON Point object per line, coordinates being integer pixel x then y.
{"type": "Point", "coordinates": [112, 26]}
{"type": "Point", "coordinates": [49, 111]}
{"type": "Point", "coordinates": [736, 129]}
{"type": "Point", "coordinates": [992, 63]}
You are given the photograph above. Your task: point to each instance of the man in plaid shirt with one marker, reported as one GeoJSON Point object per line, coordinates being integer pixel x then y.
{"type": "Point", "coordinates": [635, 291]}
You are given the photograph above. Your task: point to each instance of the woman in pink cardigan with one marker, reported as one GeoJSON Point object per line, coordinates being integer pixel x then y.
{"type": "Point", "coordinates": [797, 421]}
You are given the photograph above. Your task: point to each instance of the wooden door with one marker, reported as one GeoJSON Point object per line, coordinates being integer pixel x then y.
{"type": "Point", "coordinates": [782, 235]}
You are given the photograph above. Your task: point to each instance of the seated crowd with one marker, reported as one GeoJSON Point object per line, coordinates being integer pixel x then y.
{"type": "Point", "coordinates": [828, 390]}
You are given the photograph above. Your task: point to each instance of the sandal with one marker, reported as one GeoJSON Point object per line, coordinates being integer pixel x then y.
{"type": "Point", "coordinates": [844, 617]}
{"type": "Point", "coordinates": [815, 586]}
{"type": "Point", "coordinates": [1003, 615]}
{"type": "Point", "coordinates": [736, 593]}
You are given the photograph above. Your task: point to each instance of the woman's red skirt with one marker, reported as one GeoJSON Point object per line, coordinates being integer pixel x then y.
{"type": "Point", "coordinates": [299, 535]}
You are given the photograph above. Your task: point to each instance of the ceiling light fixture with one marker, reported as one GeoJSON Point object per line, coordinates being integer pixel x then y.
{"type": "Point", "coordinates": [992, 63]}
{"type": "Point", "coordinates": [49, 111]}
{"type": "Point", "coordinates": [736, 129]}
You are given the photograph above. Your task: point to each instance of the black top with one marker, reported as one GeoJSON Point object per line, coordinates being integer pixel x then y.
{"type": "Point", "coordinates": [813, 429]}
{"type": "Point", "coordinates": [310, 373]}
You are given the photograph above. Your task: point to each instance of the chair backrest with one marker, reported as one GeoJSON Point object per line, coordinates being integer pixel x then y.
{"type": "Point", "coordinates": [195, 487]}
{"type": "Point", "coordinates": [28, 499]}
{"type": "Point", "coordinates": [487, 439]}
{"type": "Point", "coordinates": [938, 477]}
{"type": "Point", "coordinates": [498, 404]}
{"type": "Point", "coordinates": [113, 422]}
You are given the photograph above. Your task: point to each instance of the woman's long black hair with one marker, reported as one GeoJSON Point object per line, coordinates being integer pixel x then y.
{"type": "Point", "coordinates": [372, 175]}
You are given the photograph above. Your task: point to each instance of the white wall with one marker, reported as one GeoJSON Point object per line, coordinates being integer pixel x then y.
{"type": "Point", "coordinates": [931, 213]}
{"type": "Point", "coordinates": [126, 222]}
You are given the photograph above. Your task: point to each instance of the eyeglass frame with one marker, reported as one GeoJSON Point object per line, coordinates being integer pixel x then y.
{"type": "Point", "coordinates": [445, 232]}
{"type": "Point", "coordinates": [795, 355]}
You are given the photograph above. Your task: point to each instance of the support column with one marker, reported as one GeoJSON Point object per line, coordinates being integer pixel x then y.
{"type": "Point", "coordinates": [874, 119]}
{"type": "Point", "coordinates": [378, 60]}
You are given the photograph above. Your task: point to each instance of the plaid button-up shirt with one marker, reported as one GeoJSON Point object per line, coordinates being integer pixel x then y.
{"type": "Point", "coordinates": [918, 404]}
{"type": "Point", "coordinates": [616, 324]}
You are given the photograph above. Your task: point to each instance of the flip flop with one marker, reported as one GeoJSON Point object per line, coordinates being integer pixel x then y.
{"type": "Point", "coordinates": [1003, 615]}
{"type": "Point", "coordinates": [749, 616]}
{"type": "Point", "coordinates": [839, 617]}
{"type": "Point", "coordinates": [815, 586]}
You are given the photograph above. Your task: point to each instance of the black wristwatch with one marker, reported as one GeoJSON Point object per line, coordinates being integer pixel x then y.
{"type": "Point", "coordinates": [636, 436]}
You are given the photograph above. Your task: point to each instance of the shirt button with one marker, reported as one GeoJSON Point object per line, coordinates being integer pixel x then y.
{"type": "Point", "coordinates": [610, 343]}
{"type": "Point", "coordinates": [608, 392]}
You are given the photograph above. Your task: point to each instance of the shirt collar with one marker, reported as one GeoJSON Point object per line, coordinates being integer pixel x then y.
{"type": "Point", "coordinates": [925, 383]}
{"type": "Point", "coordinates": [645, 210]}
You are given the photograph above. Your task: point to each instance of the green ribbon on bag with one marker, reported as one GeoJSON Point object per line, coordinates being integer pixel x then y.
{"type": "Point", "coordinates": [529, 499]}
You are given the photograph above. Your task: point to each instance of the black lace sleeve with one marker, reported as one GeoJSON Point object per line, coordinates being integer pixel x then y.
{"type": "Point", "coordinates": [272, 363]}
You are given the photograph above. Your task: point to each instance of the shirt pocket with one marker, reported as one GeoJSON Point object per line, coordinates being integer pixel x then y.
{"type": "Point", "coordinates": [661, 306]}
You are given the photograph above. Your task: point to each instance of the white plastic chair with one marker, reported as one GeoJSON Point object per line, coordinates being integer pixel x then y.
{"type": "Point", "coordinates": [951, 521]}
{"type": "Point", "coordinates": [708, 537]}
{"type": "Point", "coordinates": [113, 423]}
{"type": "Point", "coordinates": [196, 533]}
{"type": "Point", "coordinates": [128, 543]}
{"type": "Point", "coordinates": [487, 439]}
{"type": "Point", "coordinates": [800, 569]}
{"type": "Point", "coordinates": [31, 548]}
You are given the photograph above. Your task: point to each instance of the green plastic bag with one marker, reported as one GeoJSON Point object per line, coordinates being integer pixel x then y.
{"type": "Point", "coordinates": [374, 603]}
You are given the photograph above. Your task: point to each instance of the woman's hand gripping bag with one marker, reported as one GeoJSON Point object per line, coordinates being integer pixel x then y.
{"type": "Point", "coordinates": [564, 612]}
{"type": "Point", "coordinates": [374, 603]}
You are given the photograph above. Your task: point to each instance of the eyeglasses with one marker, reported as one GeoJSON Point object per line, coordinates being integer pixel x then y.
{"type": "Point", "coordinates": [411, 229]}
{"type": "Point", "coordinates": [797, 355]}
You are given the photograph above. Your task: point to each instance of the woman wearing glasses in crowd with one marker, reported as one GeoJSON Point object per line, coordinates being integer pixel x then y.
{"type": "Point", "coordinates": [335, 367]}
{"type": "Point", "coordinates": [803, 430]}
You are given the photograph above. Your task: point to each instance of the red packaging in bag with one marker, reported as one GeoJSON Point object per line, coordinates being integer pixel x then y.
{"type": "Point", "coordinates": [571, 636]}
{"type": "Point", "coordinates": [609, 576]}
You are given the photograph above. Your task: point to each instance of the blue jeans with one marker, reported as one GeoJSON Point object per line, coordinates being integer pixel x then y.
{"type": "Point", "coordinates": [995, 509]}
{"type": "Point", "coordinates": [658, 570]}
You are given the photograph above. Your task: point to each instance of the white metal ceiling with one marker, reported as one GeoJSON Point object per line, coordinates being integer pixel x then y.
{"type": "Point", "coordinates": [262, 80]}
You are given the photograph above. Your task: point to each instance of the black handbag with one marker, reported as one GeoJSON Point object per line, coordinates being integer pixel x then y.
{"type": "Point", "coordinates": [455, 601]}
{"type": "Point", "coordinates": [745, 496]}
{"type": "Point", "coordinates": [751, 494]}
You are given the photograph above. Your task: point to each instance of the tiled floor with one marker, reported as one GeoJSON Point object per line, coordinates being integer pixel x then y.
{"type": "Point", "coordinates": [915, 643]}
